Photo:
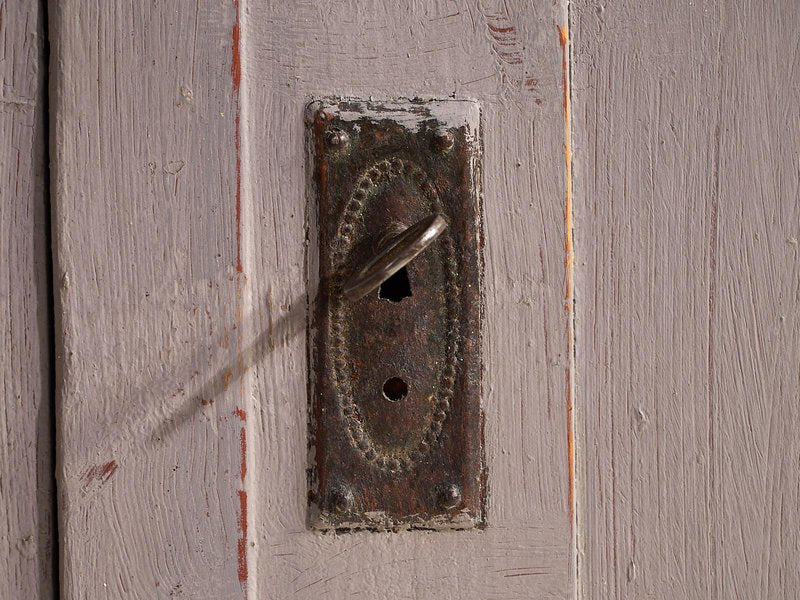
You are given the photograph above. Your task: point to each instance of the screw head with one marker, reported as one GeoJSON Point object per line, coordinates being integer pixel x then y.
{"type": "Point", "coordinates": [336, 138]}
{"type": "Point", "coordinates": [449, 496]}
{"type": "Point", "coordinates": [443, 141]}
{"type": "Point", "coordinates": [316, 114]}
{"type": "Point", "coordinates": [341, 499]}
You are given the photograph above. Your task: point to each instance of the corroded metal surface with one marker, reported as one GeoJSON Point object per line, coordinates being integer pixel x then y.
{"type": "Point", "coordinates": [400, 250]}
{"type": "Point", "coordinates": [396, 422]}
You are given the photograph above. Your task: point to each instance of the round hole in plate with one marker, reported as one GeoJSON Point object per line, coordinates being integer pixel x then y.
{"type": "Point", "coordinates": [395, 389]}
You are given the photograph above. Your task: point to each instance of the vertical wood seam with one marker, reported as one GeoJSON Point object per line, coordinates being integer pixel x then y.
{"type": "Point", "coordinates": [242, 558]}
{"type": "Point", "coordinates": [51, 299]}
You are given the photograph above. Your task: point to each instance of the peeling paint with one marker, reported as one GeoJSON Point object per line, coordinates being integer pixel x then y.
{"type": "Point", "coordinates": [100, 473]}
{"type": "Point", "coordinates": [242, 443]}
{"type": "Point", "coordinates": [242, 542]}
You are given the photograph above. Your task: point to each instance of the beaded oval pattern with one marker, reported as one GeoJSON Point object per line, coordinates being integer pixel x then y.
{"type": "Point", "coordinates": [390, 460]}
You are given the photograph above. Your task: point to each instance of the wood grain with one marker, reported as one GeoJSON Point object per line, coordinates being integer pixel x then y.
{"type": "Point", "coordinates": [688, 328]}
{"type": "Point", "coordinates": [507, 56]}
{"type": "Point", "coordinates": [26, 479]}
{"type": "Point", "coordinates": [182, 238]}
{"type": "Point", "coordinates": [150, 403]}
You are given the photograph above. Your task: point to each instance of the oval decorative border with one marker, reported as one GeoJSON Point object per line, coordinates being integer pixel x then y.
{"type": "Point", "coordinates": [379, 173]}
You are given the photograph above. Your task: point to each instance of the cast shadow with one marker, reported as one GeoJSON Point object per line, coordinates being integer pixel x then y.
{"type": "Point", "coordinates": [277, 335]}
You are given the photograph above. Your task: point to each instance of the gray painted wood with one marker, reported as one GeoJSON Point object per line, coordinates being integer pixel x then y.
{"type": "Point", "coordinates": [181, 211]}
{"type": "Point", "coordinates": [507, 56]}
{"type": "Point", "coordinates": [149, 299]}
{"type": "Point", "coordinates": [687, 223]}
{"type": "Point", "coordinates": [507, 61]}
{"type": "Point", "coordinates": [26, 481]}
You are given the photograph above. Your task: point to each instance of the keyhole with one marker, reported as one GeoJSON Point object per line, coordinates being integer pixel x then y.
{"type": "Point", "coordinates": [396, 287]}
{"type": "Point", "coordinates": [395, 389]}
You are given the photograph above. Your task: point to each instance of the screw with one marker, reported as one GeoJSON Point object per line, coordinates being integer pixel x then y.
{"type": "Point", "coordinates": [341, 499]}
{"type": "Point", "coordinates": [336, 138]}
{"type": "Point", "coordinates": [443, 141]}
{"type": "Point", "coordinates": [449, 496]}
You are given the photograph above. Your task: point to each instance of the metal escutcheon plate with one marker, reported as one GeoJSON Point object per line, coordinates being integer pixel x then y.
{"type": "Point", "coordinates": [395, 379]}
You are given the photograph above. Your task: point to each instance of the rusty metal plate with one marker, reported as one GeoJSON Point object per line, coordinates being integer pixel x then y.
{"type": "Point", "coordinates": [396, 428]}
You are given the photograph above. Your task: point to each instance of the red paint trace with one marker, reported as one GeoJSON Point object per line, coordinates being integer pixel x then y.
{"type": "Point", "coordinates": [236, 62]}
{"type": "Point", "coordinates": [506, 43]}
{"type": "Point", "coordinates": [500, 29]}
{"type": "Point", "coordinates": [97, 475]}
{"type": "Point", "coordinates": [242, 442]}
{"type": "Point", "coordinates": [236, 76]}
{"type": "Point", "coordinates": [102, 472]}
{"type": "Point", "coordinates": [242, 542]}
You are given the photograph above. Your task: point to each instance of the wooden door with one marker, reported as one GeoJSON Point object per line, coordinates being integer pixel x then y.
{"type": "Point", "coordinates": [181, 231]}
{"type": "Point", "coordinates": [640, 386]}
{"type": "Point", "coordinates": [686, 116]}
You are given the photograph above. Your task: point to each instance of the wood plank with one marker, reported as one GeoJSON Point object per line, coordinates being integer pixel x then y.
{"type": "Point", "coordinates": [26, 478]}
{"type": "Point", "coordinates": [149, 300]}
{"type": "Point", "coordinates": [506, 55]}
{"type": "Point", "coordinates": [688, 328]}
{"type": "Point", "coordinates": [182, 230]}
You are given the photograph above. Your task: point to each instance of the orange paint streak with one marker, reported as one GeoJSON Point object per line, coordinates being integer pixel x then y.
{"type": "Point", "coordinates": [242, 545]}
{"type": "Point", "coordinates": [563, 35]}
{"type": "Point", "coordinates": [563, 38]}
{"type": "Point", "coordinates": [226, 379]}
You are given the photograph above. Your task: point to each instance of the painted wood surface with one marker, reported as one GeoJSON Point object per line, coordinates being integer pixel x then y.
{"type": "Point", "coordinates": [26, 480]}
{"type": "Point", "coordinates": [181, 231]}
{"type": "Point", "coordinates": [688, 329]}
{"type": "Point", "coordinates": [149, 300]}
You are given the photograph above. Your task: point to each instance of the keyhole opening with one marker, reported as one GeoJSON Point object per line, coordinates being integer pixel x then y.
{"type": "Point", "coordinates": [396, 287]}
{"type": "Point", "coordinates": [395, 389]}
